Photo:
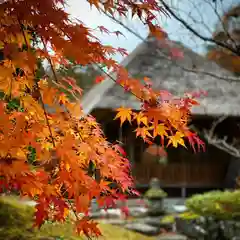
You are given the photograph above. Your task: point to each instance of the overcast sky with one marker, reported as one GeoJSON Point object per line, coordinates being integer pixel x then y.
{"type": "Point", "coordinates": [199, 10]}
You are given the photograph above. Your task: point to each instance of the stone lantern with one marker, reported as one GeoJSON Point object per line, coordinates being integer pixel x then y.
{"type": "Point", "coordinates": [154, 197]}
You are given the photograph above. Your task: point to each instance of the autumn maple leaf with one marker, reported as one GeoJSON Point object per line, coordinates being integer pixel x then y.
{"type": "Point", "coordinates": [119, 149]}
{"type": "Point", "coordinates": [177, 53]}
{"type": "Point", "coordinates": [194, 139]}
{"type": "Point", "coordinates": [118, 33]}
{"type": "Point", "coordinates": [103, 29]}
{"type": "Point", "coordinates": [41, 212]}
{"type": "Point", "coordinates": [82, 203]}
{"type": "Point", "coordinates": [177, 139]}
{"type": "Point", "coordinates": [124, 114]}
{"type": "Point", "coordinates": [88, 227]}
{"type": "Point", "coordinates": [143, 132]}
{"type": "Point", "coordinates": [141, 118]}
{"type": "Point", "coordinates": [122, 51]}
{"type": "Point", "coordinates": [99, 79]}
{"type": "Point", "coordinates": [106, 202]}
{"type": "Point", "coordinates": [160, 130]}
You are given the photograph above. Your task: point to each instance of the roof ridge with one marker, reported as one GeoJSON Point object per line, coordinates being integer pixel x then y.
{"type": "Point", "coordinates": [94, 95]}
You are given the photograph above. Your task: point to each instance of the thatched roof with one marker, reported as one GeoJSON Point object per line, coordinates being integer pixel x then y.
{"type": "Point", "coordinates": [151, 60]}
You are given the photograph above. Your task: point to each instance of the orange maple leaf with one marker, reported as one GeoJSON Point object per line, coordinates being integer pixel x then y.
{"type": "Point", "coordinates": [143, 132]}
{"type": "Point", "coordinates": [88, 227]}
{"type": "Point", "coordinates": [82, 203]}
{"type": "Point", "coordinates": [124, 114]}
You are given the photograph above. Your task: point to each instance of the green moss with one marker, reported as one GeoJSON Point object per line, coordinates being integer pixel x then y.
{"type": "Point", "coordinates": [155, 193]}
{"type": "Point", "coordinates": [188, 215]}
{"type": "Point", "coordinates": [16, 221]}
{"type": "Point", "coordinates": [168, 219]}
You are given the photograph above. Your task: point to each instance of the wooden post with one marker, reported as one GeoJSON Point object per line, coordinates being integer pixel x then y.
{"type": "Point", "coordinates": [120, 135]}
{"type": "Point", "coordinates": [132, 152]}
{"type": "Point", "coordinates": [183, 192]}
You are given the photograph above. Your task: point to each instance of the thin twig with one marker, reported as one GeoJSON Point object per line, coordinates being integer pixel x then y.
{"type": "Point", "coordinates": [211, 74]}
{"type": "Point", "coordinates": [214, 125]}
{"type": "Point", "coordinates": [50, 61]}
{"type": "Point", "coordinates": [222, 23]}
{"type": "Point", "coordinates": [221, 144]}
{"type": "Point", "coordinates": [46, 117]}
{"type": "Point", "coordinates": [112, 78]}
{"type": "Point", "coordinates": [188, 27]}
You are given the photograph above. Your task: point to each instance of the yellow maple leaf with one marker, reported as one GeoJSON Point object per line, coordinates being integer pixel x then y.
{"type": "Point", "coordinates": [74, 108]}
{"type": "Point", "coordinates": [63, 99]}
{"type": "Point", "coordinates": [33, 107]}
{"type": "Point", "coordinates": [143, 132]}
{"type": "Point", "coordinates": [160, 130]}
{"type": "Point", "coordinates": [124, 114]}
{"type": "Point", "coordinates": [47, 145]}
{"type": "Point", "coordinates": [49, 95]}
{"type": "Point", "coordinates": [140, 118]}
{"type": "Point", "coordinates": [177, 139]}
{"type": "Point", "coordinates": [65, 212]}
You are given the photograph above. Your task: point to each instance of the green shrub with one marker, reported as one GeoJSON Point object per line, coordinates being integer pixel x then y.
{"type": "Point", "coordinates": [217, 204]}
{"type": "Point", "coordinates": [214, 215]}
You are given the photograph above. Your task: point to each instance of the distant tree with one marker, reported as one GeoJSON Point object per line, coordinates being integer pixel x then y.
{"type": "Point", "coordinates": [227, 32]}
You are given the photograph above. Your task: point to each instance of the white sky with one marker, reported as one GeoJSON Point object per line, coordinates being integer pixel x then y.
{"type": "Point", "coordinates": [199, 10]}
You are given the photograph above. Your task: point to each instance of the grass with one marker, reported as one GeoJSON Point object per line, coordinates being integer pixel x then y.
{"type": "Point", "coordinates": [16, 222]}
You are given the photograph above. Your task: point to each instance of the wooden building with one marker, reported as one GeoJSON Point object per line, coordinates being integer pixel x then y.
{"type": "Point", "coordinates": [185, 172]}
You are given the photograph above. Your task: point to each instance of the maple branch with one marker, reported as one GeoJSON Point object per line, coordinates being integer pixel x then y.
{"type": "Point", "coordinates": [36, 83]}
{"type": "Point", "coordinates": [165, 56]}
{"type": "Point", "coordinates": [223, 25]}
{"type": "Point", "coordinates": [46, 117]}
{"type": "Point", "coordinates": [113, 79]}
{"type": "Point", "coordinates": [188, 27]}
{"type": "Point", "coordinates": [44, 109]}
{"type": "Point", "coordinates": [50, 61]}
{"type": "Point", "coordinates": [232, 148]}
{"type": "Point", "coordinates": [72, 208]}
{"type": "Point", "coordinates": [214, 125]}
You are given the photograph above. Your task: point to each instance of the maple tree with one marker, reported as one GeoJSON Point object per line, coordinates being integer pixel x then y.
{"type": "Point", "coordinates": [228, 34]}
{"type": "Point", "coordinates": [50, 150]}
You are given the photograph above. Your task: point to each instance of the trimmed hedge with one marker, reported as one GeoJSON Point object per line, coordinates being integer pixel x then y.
{"type": "Point", "coordinates": [216, 204]}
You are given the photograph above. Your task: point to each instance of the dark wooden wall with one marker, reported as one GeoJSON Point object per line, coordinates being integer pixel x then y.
{"type": "Point", "coordinates": [185, 168]}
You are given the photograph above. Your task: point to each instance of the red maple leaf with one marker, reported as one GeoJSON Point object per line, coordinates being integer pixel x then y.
{"type": "Point", "coordinates": [177, 53]}
{"type": "Point", "coordinates": [194, 139]}
{"type": "Point", "coordinates": [99, 79]}
{"type": "Point", "coordinates": [122, 51]}
{"type": "Point", "coordinates": [118, 33]}
{"type": "Point", "coordinates": [103, 29]}
{"type": "Point", "coordinates": [87, 227]}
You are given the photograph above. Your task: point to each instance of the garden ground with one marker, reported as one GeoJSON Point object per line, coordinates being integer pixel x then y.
{"type": "Point", "coordinates": [16, 223]}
